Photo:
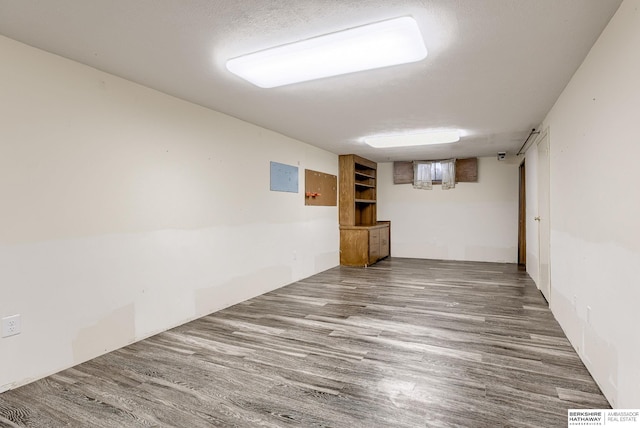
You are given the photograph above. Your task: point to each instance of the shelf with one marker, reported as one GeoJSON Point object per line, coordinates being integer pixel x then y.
{"type": "Point", "coordinates": [357, 183]}
{"type": "Point", "coordinates": [363, 174]}
{"type": "Point", "coordinates": [363, 240]}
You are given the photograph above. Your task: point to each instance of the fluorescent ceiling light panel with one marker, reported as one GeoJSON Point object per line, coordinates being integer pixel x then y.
{"type": "Point", "coordinates": [385, 43]}
{"type": "Point", "coordinates": [416, 139]}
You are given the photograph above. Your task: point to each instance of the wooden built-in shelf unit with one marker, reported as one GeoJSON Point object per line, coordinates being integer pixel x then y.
{"type": "Point", "coordinates": [363, 239]}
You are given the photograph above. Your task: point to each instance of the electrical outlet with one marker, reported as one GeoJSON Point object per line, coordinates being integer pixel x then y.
{"type": "Point", "coordinates": [11, 326]}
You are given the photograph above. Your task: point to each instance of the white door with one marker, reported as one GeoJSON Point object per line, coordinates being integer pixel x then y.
{"type": "Point", "coordinates": [544, 271]}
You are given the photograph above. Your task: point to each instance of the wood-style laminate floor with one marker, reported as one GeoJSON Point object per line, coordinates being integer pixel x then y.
{"type": "Point", "coordinates": [404, 343]}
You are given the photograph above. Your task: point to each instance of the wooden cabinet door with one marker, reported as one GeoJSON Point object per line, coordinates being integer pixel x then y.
{"type": "Point", "coordinates": [384, 242]}
{"type": "Point", "coordinates": [374, 245]}
{"type": "Point", "coordinates": [354, 248]}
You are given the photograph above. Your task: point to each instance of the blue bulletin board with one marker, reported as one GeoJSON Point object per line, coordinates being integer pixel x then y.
{"type": "Point", "coordinates": [284, 178]}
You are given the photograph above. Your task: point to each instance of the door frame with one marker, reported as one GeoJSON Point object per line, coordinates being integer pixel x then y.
{"type": "Point", "coordinates": [522, 217]}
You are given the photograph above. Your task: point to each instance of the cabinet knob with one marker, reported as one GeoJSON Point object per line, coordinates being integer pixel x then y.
{"type": "Point", "coordinates": [537, 218]}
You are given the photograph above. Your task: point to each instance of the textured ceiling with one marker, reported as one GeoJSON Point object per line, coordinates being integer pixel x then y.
{"type": "Point", "coordinates": [494, 69]}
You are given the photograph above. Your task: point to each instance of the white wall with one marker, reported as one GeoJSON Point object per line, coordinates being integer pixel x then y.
{"type": "Point", "coordinates": [595, 208]}
{"type": "Point", "coordinates": [125, 212]}
{"type": "Point", "coordinates": [474, 221]}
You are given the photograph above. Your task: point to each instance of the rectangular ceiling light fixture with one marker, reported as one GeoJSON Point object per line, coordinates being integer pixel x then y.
{"type": "Point", "coordinates": [415, 139]}
{"type": "Point", "coordinates": [382, 44]}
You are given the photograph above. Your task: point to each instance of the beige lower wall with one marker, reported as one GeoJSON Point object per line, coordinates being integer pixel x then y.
{"type": "Point", "coordinates": [126, 212]}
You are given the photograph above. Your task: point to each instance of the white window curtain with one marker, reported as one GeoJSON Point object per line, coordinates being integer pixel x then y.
{"type": "Point", "coordinates": [423, 175]}
{"type": "Point", "coordinates": [448, 174]}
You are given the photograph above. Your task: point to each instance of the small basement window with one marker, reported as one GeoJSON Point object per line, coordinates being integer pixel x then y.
{"type": "Point", "coordinates": [436, 170]}
{"type": "Point", "coordinates": [428, 173]}
{"type": "Point", "coordinates": [466, 171]}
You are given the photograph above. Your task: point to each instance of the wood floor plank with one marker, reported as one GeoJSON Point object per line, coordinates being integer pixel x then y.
{"type": "Point", "coordinates": [403, 343]}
